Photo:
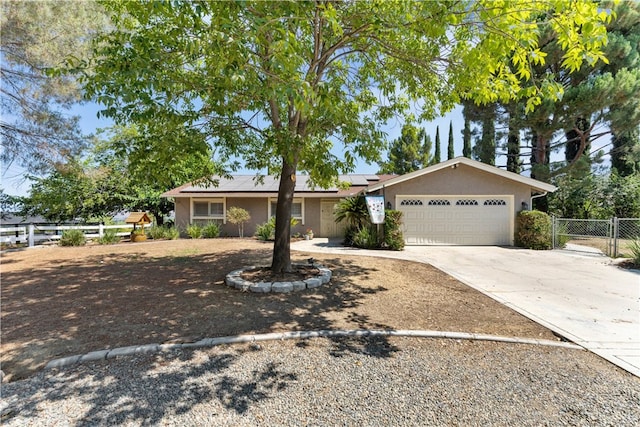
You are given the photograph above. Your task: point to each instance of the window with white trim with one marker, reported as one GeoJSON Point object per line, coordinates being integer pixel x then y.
{"type": "Point", "coordinates": [208, 210]}
{"type": "Point", "coordinates": [297, 209]}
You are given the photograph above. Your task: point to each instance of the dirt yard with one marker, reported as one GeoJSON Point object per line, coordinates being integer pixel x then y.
{"type": "Point", "coordinates": [59, 301]}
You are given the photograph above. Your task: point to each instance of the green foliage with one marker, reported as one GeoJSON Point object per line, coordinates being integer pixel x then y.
{"type": "Point", "coordinates": [266, 231]}
{"type": "Point", "coordinates": [211, 230]}
{"type": "Point", "coordinates": [450, 150]}
{"type": "Point", "coordinates": [437, 158]}
{"type": "Point", "coordinates": [484, 149]}
{"type": "Point", "coordinates": [37, 130]}
{"type": "Point", "coordinates": [409, 152]}
{"type": "Point", "coordinates": [239, 216]}
{"type": "Point", "coordinates": [194, 231]}
{"type": "Point", "coordinates": [73, 238]}
{"type": "Point", "coordinates": [8, 204]}
{"type": "Point", "coordinates": [634, 247]}
{"type": "Point", "coordinates": [366, 235]}
{"type": "Point", "coordinates": [393, 237]}
{"type": "Point", "coordinates": [277, 92]}
{"type": "Point", "coordinates": [625, 152]}
{"type": "Point", "coordinates": [596, 196]}
{"type": "Point", "coordinates": [366, 238]}
{"type": "Point", "coordinates": [163, 232]}
{"type": "Point", "coordinates": [353, 210]}
{"type": "Point", "coordinates": [466, 137]}
{"type": "Point", "coordinates": [109, 237]}
{"type": "Point", "coordinates": [533, 230]}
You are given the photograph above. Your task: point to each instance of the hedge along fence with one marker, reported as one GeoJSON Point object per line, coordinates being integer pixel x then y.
{"type": "Point", "coordinates": [534, 230]}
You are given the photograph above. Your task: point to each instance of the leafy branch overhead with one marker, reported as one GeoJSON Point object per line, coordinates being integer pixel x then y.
{"type": "Point", "coordinates": [268, 80]}
{"type": "Point", "coordinates": [277, 84]}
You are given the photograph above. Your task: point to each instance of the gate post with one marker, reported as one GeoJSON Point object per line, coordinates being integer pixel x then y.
{"type": "Point", "coordinates": [614, 235]}
{"type": "Point", "coordinates": [553, 231]}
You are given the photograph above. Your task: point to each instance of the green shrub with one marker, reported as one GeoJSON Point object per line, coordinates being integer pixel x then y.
{"type": "Point", "coordinates": [266, 231]}
{"type": "Point", "coordinates": [393, 238]}
{"type": "Point", "coordinates": [634, 247]}
{"type": "Point", "coordinates": [366, 238]}
{"type": "Point", "coordinates": [171, 233]}
{"type": "Point", "coordinates": [73, 238]}
{"type": "Point", "coordinates": [109, 237]}
{"type": "Point", "coordinates": [194, 231]}
{"type": "Point", "coordinates": [349, 232]}
{"type": "Point", "coordinates": [534, 230]}
{"type": "Point", "coordinates": [163, 232]}
{"type": "Point", "coordinates": [211, 230]}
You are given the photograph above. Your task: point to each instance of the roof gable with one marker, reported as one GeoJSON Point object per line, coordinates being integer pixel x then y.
{"type": "Point", "coordinates": [533, 183]}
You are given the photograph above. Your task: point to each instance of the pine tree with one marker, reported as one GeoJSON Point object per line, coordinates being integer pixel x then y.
{"type": "Point", "coordinates": [625, 152]}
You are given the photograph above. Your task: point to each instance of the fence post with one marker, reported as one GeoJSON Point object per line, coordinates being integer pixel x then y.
{"type": "Point", "coordinates": [31, 235]}
{"type": "Point", "coordinates": [614, 234]}
{"type": "Point", "coordinates": [101, 229]}
{"type": "Point", "coordinates": [553, 231]}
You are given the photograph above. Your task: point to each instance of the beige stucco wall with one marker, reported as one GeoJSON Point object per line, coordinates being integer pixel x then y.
{"type": "Point", "coordinates": [181, 208]}
{"type": "Point", "coordinates": [258, 209]}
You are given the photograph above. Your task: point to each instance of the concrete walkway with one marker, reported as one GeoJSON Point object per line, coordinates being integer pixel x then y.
{"type": "Point", "coordinates": [583, 297]}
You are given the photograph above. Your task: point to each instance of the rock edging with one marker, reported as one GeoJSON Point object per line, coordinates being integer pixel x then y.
{"type": "Point", "coordinates": [235, 280]}
{"type": "Point", "coordinates": [276, 336]}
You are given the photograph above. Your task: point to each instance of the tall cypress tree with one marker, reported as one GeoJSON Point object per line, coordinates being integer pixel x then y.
{"type": "Point", "coordinates": [436, 156]}
{"type": "Point", "coordinates": [485, 148]}
{"type": "Point", "coordinates": [514, 164]}
{"type": "Point", "coordinates": [450, 153]}
{"type": "Point", "coordinates": [466, 137]}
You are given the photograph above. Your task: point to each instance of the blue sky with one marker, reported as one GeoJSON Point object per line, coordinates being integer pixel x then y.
{"type": "Point", "coordinates": [13, 178]}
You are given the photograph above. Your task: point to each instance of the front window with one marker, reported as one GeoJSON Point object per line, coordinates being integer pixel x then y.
{"type": "Point", "coordinates": [297, 209]}
{"type": "Point", "coordinates": [208, 211]}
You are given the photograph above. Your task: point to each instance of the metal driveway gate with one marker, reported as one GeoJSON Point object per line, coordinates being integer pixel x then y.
{"type": "Point", "coordinates": [611, 236]}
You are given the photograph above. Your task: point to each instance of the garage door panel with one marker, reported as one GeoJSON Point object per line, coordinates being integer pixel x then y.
{"type": "Point", "coordinates": [462, 220]}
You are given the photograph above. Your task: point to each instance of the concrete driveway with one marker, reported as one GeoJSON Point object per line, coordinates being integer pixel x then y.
{"type": "Point", "coordinates": [583, 297]}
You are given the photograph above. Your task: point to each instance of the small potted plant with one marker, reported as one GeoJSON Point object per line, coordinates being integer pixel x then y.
{"type": "Point", "coordinates": [308, 235]}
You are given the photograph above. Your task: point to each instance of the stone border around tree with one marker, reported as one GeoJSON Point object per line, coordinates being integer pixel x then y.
{"type": "Point", "coordinates": [235, 280]}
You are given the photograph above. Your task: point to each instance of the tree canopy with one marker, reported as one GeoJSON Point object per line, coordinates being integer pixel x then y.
{"type": "Point", "coordinates": [36, 127]}
{"type": "Point", "coordinates": [276, 84]}
{"type": "Point", "coordinates": [409, 152]}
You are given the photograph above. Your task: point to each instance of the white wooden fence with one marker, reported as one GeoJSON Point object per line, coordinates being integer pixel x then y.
{"type": "Point", "coordinates": [38, 234]}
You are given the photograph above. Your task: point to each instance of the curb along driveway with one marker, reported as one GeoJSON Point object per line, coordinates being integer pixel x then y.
{"type": "Point", "coordinates": [584, 298]}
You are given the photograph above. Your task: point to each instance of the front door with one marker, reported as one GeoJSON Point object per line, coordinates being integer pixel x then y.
{"type": "Point", "coordinates": [328, 225]}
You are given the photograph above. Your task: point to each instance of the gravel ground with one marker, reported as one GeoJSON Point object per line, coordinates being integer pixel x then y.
{"type": "Point", "coordinates": [323, 382]}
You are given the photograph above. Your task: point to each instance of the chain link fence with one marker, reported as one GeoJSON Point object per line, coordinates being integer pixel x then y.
{"type": "Point", "coordinates": [625, 231]}
{"type": "Point", "coordinates": [611, 236]}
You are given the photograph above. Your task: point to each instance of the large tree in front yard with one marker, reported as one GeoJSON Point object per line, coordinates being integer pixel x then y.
{"type": "Point", "coordinates": [277, 84]}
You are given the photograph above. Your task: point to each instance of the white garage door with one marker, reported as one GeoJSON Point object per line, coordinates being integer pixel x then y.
{"type": "Point", "coordinates": [459, 220]}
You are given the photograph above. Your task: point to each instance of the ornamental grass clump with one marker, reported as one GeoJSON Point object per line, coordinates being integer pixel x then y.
{"type": "Point", "coordinates": [73, 238]}
{"type": "Point", "coordinates": [109, 237]}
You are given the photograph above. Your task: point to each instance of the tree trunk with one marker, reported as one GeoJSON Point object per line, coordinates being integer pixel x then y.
{"type": "Point", "coordinates": [281, 249]}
